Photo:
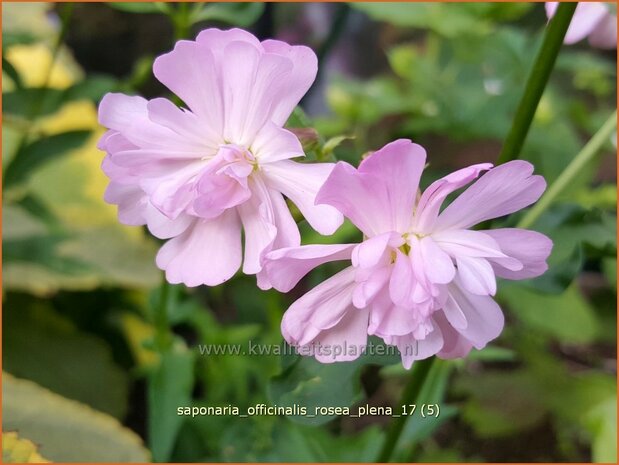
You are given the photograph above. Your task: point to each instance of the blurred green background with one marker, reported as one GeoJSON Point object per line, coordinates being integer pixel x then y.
{"type": "Point", "coordinates": [83, 379]}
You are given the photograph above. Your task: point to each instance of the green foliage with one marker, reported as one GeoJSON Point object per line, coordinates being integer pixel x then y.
{"type": "Point", "coordinates": [65, 430]}
{"type": "Point", "coordinates": [82, 322]}
{"type": "Point", "coordinates": [46, 348]}
{"type": "Point", "coordinates": [43, 150]}
{"type": "Point", "coordinates": [170, 386]}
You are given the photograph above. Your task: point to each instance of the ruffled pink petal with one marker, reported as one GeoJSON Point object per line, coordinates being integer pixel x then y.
{"type": "Point", "coordinates": [476, 275]}
{"type": "Point", "coordinates": [191, 72]}
{"type": "Point", "coordinates": [300, 182]}
{"type": "Point", "coordinates": [258, 221]}
{"type": "Point", "coordinates": [285, 267]}
{"type": "Point", "coordinates": [354, 195]}
{"type": "Point", "coordinates": [216, 40]}
{"type": "Point", "coordinates": [432, 198]}
{"type": "Point", "coordinates": [605, 34]}
{"type": "Point", "coordinates": [131, 201]}
{"type": "Point", "coordinates": [345, 341]}
{"type": "Point", "coordinates": [163, 227]}
{"type": "Point", "coordinates": [388, 319]}
{"type": "Point", "coordinates": [398, 166]}
{"type": "Point", "coordinates": [252, 82]}
{"type": "Point", "coordinates": [454, 344]}
{"type": "Point", "coordinates": [301, 77]}
{"type": "Point", "coordinates": [438, 265]}
{"type": "Point", "coordinates": [369, 285]}
{"type": "Point", "coordinates": [484, 318]}
{"type": "Point", "coordinates": [208, 252]}
{"type": "Point", "coordinates": [402, 282]}
{"type": "Point", "coordinates": [530, 248]}
{"type": "Point", "coordinates": [130, 117]}
{"type": "Point", "coordinates": [320, 309]}
{"type": "Point", "coordinates": [273, 143]}
{"type": "Point", "coordinates": [375, 250]}
{"type": "Point", "coordinates": [502, 190]}
{"type": "Point", "coordinates": [412, 349]}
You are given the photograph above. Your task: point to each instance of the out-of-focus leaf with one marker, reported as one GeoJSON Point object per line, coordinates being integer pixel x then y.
{"type": "Point", "coordinates": [450, 20]}
{"type": "Point", "coordinates": [567, 316]}
{"type": "Point", "coordinates": [330, 145]}
{"type": "Point", "coordinates": [602, 422]}
{"type": "Point", "coordinates": [296, 443]}
{"type": "Point", "coordinates": [11, 72]}
{"type": "Point", "coordinates": [305, 381]}
{"type": "Point", "coordinates": [10, 39]}
{"type": "Point", "coordinates": [16, 449]}
{"type": "Point", "coordinates": [66, 430]}
{"type": "Point", "coordinates": [433, 391]}
{"type": "Point", "coordinates": [240, 14]}
{"type": "Point", "coordinates": [45, 348]}
{"type": "Point", "coordinates": [140, 7]}
{"type": "Point", "coordinates": [169, 387]}
{"type": "Point", "coordinates": [94, 87]}
{"type": "Point", "coordinates": [28, 102]}
{"type": "Point", "coordinates": [42, 151]}
{"type": "Point", "coordinates": [501, 403]}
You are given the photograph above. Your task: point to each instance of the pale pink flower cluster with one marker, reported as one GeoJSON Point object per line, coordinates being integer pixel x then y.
{"type": "Point", "coordinates": [421, 279]}
{"type": "Point", "coordinates": [199, 176]}
{"type": "Point", "coordinates": [594, 20]}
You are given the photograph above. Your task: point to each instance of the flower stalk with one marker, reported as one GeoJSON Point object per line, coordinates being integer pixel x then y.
{"type": "Point", "coordinates": [410, 395]}
{"type": "Point", "coordinates": [572, 170]}
{"type": "Point", "coordinates": [537, 80]}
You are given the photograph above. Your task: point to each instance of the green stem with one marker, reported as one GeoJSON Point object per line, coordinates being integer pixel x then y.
{"type": "Point", "coordinates": [537, 80]}
{"type": "Point", "coordinates": [418, 376]}
{"type": "Point", "coordinates": [571, 171]}
{"type": "Point", "coordinates": [162, 330]}
{"type": "Point", "coordinates": [181, 20]}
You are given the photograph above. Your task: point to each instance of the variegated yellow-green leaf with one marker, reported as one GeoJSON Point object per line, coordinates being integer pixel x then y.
{"type": "Point", "coordinates": [66, 430]}
{"type": "Point", "coordinates": [16, 449]}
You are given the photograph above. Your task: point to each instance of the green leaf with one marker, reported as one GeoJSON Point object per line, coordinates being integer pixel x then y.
{"type": "Point", "coordinates": [46, 348]}
{"type": "Point", "coordinates": [450, 20]}
{"type": "Point", "coordinates": [500, 404]}
{"type": "Point", "coordinates": [239, 14]}
{"type": "Point", "coordinates": [94, 87]}
{"type": "Point", "coordinates": [42, 151]}
{"type": "Point", "coordinates": [139, 7]}
{"type": "Point", "coordinates": [170, 386]}
{"type": "Point", "coordinates": [16, 449]}
{"type": "Point", "coordinates": [567, 317]}
{"type": "Point", "coordinates": [601, 420]}
{"type": "Point", "coordinates": [66, 430]}
{"type": "Point", "coordinates": [11, 72]}
{"type": "Point", "coordinates": [30, 101]}
{"type": "Point", "coordinates": [305, 381]}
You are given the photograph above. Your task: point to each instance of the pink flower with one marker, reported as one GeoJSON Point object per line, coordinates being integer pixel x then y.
{"type": "Point", "coordinates": [421, 279]}
{"type": "Point", "coordinates": [591, 19]}
{"type": "Point", "coordinates": [197, 176]}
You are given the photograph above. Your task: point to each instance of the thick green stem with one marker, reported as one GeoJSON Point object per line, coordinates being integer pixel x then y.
{"type": "Point", "coordinates": [410, 395]}
{"type": "Point", "coordinates": [571, 171]}
{"type": "Point", "coordinates": [536, 82]}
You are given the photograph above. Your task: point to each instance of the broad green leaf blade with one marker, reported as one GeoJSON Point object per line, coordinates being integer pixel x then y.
{"type": "Point", "coordinates": [46, 348]}
{"type": "Point", "coordinates": [40, 152]}
{"type": "Point", "coordinates": [568, 316]}
{"type": "Point", "coordinates": [137, 7]}
{"type": "Point", "coordinates": [239, 14]}
{"type": "Point", "coordinates": [65, 430]}
{"type": "Point", "coordinates": [16, 449]}
{"type": "Point", "coordinates": [170, 386]}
